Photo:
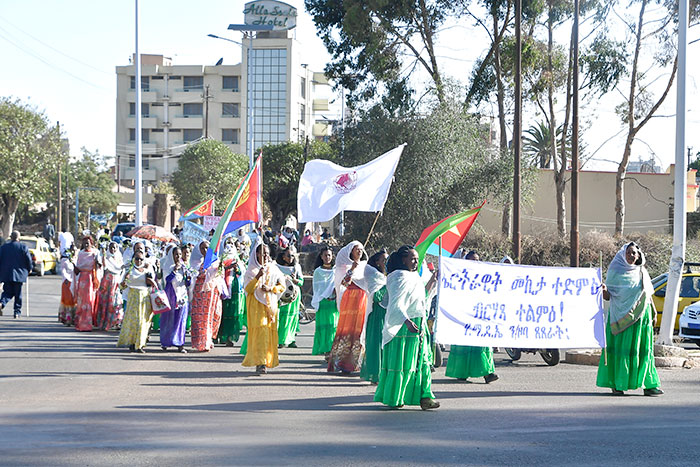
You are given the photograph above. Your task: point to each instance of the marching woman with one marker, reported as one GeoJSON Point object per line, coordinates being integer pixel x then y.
{"type": "Point", "coordinates": [177, 279]}
{"type": "Point", "coordinates": [109, 297]}
{"type": "Point", "coordinates": [627, 362]}
{"type": "Point", "coordinates": [406, 356]}
{"type": "Point", "coordinates": [289, 312]}
{"type": "Point", "coordinates": [86, 283]}
{"type": "Point", "coordinates": [233, 308]}
{"type": "Point", "coordinates": [355, 284]}
{"type": "Point", "coordinates": [264, 283]}
{"type": "Point", "coordinates": [324, 303]}
{"type": "Point", "coordinates": [206, 304]}
{"type": "Point", "coordinates": [66, 310]}
{"type": "Point", "coordinates": [372, 362]}
{"type": "Point", "coordinates": [468, 361]}
{"type": "Point", "coordinates": [138, 280]}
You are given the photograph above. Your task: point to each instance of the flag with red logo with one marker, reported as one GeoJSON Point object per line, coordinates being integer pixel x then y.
{"type": "Point", "coordinates": [325, 188]}
{"type": "Point", "coordinates": [244, 208]}
{"type": "Point", "coordinates": [203, 209]}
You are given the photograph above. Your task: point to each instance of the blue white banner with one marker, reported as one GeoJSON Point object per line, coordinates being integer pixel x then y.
{"type": "Point", "coordinates": [193, 233]}
{"type": "Point", "coordinates": [507, 305]}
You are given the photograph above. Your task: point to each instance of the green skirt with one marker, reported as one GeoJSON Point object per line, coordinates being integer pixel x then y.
{"type": "Point", "coordinates": [405, 376]}
{"type": "Point", "coordinates": [155, 324]}
{"type": "Point", "coordinates": [326, 321]}
{"type": "Point", "coordinates": [630, 357]}
{"type": "Point", "coordinates": [469, 362]}
{"type": "Point", "coordinates": [372, 361]}
{"type": "Point", "coordinates": [232, 312]}
{"type": "Point", "coordinates": [288, 325]}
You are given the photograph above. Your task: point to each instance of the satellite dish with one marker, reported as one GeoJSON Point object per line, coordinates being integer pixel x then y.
{"type": "Point", "coordinates": [221, 60]}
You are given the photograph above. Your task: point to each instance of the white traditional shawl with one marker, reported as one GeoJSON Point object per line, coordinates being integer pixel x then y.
{"type": "Point", "coordinates": [323, 285]}
{"type": "Point", "coordinates": [407, 300]}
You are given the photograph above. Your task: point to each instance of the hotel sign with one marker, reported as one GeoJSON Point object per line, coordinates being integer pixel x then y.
{"type": "Point", "coordinates": [270, 13]}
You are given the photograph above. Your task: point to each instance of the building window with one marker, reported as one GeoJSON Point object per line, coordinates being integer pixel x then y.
{"type": "Point", "coordinates": [268, 88]}
{"type": "Point", "coordinates": [189, 135]}
{"type": "Point", "coordinates": [145, 83]}
{"type": "Point", "coordinates": [302, 113]}
{"type": "Point", "coordinates": [132, 160]}
{"type": "Point", "coordinates": [144, 109]}
{"type": "Point", "coordinates": [145, 133]}
{"type": "Point", "coordinates": [230, 83]}
{"type": "Point", "coordinates": [193, 83]}
{"type": "Point", "coordinates": [145, 163]}
{"type": "Point", "coordinates": [230, 110]}
{"type": "Point", "coordinates": [303, 88]}
{"type": "Point", "coordinates": [192, 110]}
{"type": "Point", "coordinates": [230, 135]}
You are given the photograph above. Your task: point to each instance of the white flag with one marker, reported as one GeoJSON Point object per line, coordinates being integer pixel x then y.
{"type": "Point", "coordinates": [325, 188]}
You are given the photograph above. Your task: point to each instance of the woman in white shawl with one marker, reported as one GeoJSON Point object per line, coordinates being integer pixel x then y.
{"type": "Point", "coordinates": [264, 283]}
{"type": "Point", "coordinates": [109, 297]}
{"type": "Point", "coordinates": [206, 303]}
{"type": "Point", "coordinates": [627, 361]}
{"type": "Point", "coordinates": [406, 356]}
{"type": "Point", "coordinates": [324, 303]}
{"type": "Point", "coordinates": [355, 285]}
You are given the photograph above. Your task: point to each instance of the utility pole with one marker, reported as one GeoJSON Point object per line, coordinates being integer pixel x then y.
{"type": "Point", "coordinates": [59, 214]}
{"type": "Point", "coordinates": [206, 111]}
{"type": "Point", "coordinates": [517, 130]}
{"type": "Point", "coordinates": [574, 249]}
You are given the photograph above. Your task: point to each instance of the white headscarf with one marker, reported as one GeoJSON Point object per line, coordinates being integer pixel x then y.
{"type": "Point", "coordinates": [196, 258]}
{"type": "Point", "coordinates": [270, 277]}
{"type": "Point", "coordinates": [114, 262]}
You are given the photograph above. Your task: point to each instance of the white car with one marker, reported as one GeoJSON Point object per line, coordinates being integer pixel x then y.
{"type": "Point", "coordinates": [689, 323]}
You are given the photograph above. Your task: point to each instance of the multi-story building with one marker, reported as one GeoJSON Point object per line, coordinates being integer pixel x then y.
{"type": "Point", "coordinates": [184, 103]}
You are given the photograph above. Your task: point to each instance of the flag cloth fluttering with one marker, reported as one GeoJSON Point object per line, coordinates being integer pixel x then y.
{"type": "Point", "coordinates": [453, 229]}
{"type": "Point", "coordinates": [244, 208]}
{"type": "Point", "coordinates": [325, 188]}
{"type": "Point", "coordinates": [203, 209]}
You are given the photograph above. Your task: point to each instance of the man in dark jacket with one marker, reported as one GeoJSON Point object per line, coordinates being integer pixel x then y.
{"type": "Point", "coordinates": [15, 264]}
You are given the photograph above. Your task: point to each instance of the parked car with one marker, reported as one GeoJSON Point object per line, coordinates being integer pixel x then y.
{"type": "Point", "coordinates": [689, 293]}
{"type": "Point", "coordinates": [122, 228]}
{"type": "Point", "coordinates": [689, 323]}
{"type": "Point", "coordinates": [44, 257]}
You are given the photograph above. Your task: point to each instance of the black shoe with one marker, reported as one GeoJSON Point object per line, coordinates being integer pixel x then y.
{"type": "Point", "coordinates": [617, 392]}
{"type": "Point", "coordinates": [132, 348]}
{"type": "Point", "coordinates": [653, 392]}
{"type": "Point", "coordinates": [140, 350]}
{"type": "Point", "coordinates": [16, 315]}
{"type": "Point", "coordinates": [182, 349]}
{"type": "Point", "coordinates": [229, 343]}
{"type": "Point", "coordinates": [293, 345]}
{"type": "Point", "coordinates": [2, 307]}
{"type": "Point", "coordinates": [429, 404]}
{"type": "Point", "coordinates": [490, 378]}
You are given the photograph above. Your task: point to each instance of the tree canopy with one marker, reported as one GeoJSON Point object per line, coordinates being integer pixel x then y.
{"type": "Point", "coordinates": [30, 149]}
{"type": "Point", "coordinates": [208, 169]}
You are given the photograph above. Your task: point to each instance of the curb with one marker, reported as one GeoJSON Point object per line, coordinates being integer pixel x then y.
{"type": "Point", "coordinates": [592, 357]}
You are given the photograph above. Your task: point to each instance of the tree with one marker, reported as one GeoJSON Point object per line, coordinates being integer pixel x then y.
{"type": "Point", "coordinates": [447, 166]}
{"type": "Point", "coordinates": [368, 38]}
{"type": "Point", "coordinates": [208, 169]}
{"type": "Point", "coordinates": [282, 167]}
{"type": "Point", "coordinates": [30, 148]}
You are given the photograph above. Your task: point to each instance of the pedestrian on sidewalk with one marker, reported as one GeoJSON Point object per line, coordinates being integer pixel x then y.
{"type": "Point", "coordinates": [627, 362]}
{"type": "Point", "coordinates": [15, 264]}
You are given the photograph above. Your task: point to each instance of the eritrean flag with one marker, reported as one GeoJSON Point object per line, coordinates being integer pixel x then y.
{"type": "Point", "coordinates": [203, 209]}
{"type": "Point", "coordinates": [244, 208]}
{"type": "Point", "coordinates": [453, 229]}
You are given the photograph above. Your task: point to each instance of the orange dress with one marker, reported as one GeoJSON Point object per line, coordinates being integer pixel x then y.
{"type": "Point", "coordinates": [347, 351]}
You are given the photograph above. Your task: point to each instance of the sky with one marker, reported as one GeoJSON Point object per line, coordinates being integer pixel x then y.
{"type": "Point", "coordinates": [60, 56]}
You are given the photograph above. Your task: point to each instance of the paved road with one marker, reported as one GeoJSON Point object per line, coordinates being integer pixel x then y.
{"type": "Point", "coordinates": [69, 398]}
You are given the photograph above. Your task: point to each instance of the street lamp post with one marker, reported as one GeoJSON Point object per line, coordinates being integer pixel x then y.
{"type": "Point", "coordinates": [77, 206]}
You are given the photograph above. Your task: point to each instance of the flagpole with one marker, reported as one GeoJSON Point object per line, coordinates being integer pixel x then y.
{"type": "Point", "coordinates": [372, 228]}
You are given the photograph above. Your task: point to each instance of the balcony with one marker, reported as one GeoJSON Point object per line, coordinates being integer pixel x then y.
{"type": "Point", "coordinates": [321, 129]}
{"type": "Point", "coordinates": [146, 147]}
{"type": "Point", "coordinates": [186, 94]}
{"type": "Point", "coordinates": [147, 122]}
{"type": "Point", "coordinates": [320, 78]}
{"type": "Point", "coordinates": [320, 105]}
{"type": "Point", "coordinates": [147, 175]}
{"type": "Point", "coordinates": [147, 96]}
{"type": "Point", "coordinates": [188, 122]}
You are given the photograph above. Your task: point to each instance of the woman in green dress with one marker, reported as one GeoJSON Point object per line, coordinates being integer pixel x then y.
{"type": "Point", "coordinates": [233, 308]}
{"type": "Point", "coordinates": [471, 362]}
{"type": "Point", "coordinates": [324, 303]}
{"type": "Point", "coordinates": [288, 324]}
{"type": "Point", "coordinates": [627, 362]}
{"type": "Point", "coordinates": [372, 361]}
{"type": "Point", "coordinates": [405, 375]}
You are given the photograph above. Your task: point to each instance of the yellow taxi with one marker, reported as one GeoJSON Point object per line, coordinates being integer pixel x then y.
{"type": "Point", "coordinates": [43, 255]}
{"type": "Point", "coordinates": [689, 293]}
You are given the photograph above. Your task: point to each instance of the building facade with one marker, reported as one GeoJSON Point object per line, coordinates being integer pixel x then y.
{"type": "Point", "coordinates": [181, 104]}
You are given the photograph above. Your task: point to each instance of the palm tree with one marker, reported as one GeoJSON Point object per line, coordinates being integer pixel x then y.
{"type": "Point", "coordinates": [537, 144]}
